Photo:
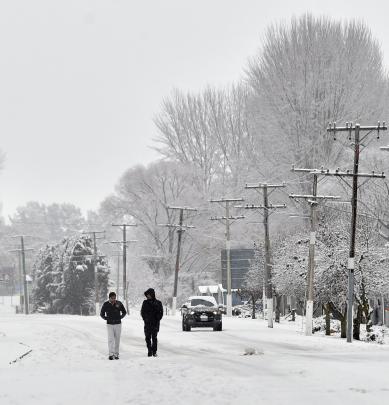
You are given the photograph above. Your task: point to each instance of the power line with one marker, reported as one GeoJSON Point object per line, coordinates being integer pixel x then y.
{"type": "Point", "coordinates": [353, 131]}
{"type": "Point", "coordinates": [124, 244]}
{"type": "Point", "coordinates": [313, 200]}
{"type": "Point", "coordinates": [266, 206]}
{"type": "Point", "coordinates": [227, 218]}
{"type": "Point", "coordinates": [22, 263]}
{"type": "Point", "coordinates": [96, 284]}
{"type": "Point", "coordinates": [180, 227]}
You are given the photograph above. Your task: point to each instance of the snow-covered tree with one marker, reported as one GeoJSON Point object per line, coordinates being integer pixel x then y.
{"type": "Point", "coordinates": [252, 288]}
{"type": "Point", "coordinates": [371, 278]}
{"type": "Point", "coordinates": [63, 277]}
{"type": "Point", "coordinates": [309, 72]}
{"type": "Point", "coordinates": [290, 265]}
{"type": "Point", "coordinates": [371, 275]}
{"type": "Point", "coordinates": [331, 273]}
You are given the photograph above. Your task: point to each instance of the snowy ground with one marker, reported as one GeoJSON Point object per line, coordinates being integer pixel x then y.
{"type": "Point", "coordinates": [68, 364]}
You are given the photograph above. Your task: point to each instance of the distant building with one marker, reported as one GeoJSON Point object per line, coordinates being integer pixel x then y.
{"type": "Point", "coordinates": [241, 260]}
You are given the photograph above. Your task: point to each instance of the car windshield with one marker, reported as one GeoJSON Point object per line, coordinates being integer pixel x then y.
{"type": "Point", "coordinates": [203, 303]}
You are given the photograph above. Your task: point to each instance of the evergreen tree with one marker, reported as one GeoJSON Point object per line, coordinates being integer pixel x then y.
{"type": "Point", "coordinates": [64, 277]}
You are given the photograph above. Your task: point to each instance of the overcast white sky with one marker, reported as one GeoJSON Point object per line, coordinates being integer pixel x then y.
{"type": "Point", "coordinates": [80, 80]}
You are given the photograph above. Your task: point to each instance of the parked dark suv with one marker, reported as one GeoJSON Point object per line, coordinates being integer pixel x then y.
{"type": "Point", "coordinates": [201, 312]}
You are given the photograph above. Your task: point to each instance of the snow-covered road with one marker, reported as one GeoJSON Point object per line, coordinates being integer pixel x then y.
{"type": "Point", "coordinates": [68, 364]}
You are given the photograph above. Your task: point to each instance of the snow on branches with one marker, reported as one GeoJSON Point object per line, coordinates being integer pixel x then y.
{"type": "Point", "coordinates": [64, 278]}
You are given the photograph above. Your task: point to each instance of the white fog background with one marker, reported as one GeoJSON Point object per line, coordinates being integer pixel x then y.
{"type": "Point", "coordinates": [82, 80]}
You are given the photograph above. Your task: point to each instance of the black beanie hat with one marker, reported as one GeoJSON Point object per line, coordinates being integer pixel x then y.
{"type": "Point", "coordinates": [150, 292]}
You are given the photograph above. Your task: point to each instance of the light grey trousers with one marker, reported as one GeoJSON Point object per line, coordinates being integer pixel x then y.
{"type": "Point", "coordinates": [114, 332]}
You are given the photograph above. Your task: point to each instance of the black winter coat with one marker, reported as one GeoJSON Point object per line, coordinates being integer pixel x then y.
{"type": "Point", "coordinates": [152, 313]}
{"type": "Point", "coordinates": [113, 314]}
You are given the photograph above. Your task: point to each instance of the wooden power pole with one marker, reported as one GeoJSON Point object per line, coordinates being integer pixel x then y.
{"type": "Point", "coordinates": [266, 207]}
{"type": "Point", "coordinates": [313, 200]}
{"type": "Point", "coordinates": [227, 218]}
{"type": "Point", "coordinates": [180, 229]}
{"type": "Point", "coordinates": [117, 254]}
{"type": "Point", "coordinates": [354, 134]}
{"type": "Point", "coordinates": [22, 261]}
{"type": "Point", "coordinates": [124, 244]}
{"type": "Point", "coordinates": [95, 272]}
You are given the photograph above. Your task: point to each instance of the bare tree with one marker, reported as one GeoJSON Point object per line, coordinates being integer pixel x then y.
{"type": "Point", "coordinates": [310, 72]}
{"type": "Point", "coordinates": [208, 131]}
{"type": "Point", "coordinates": [145, 194]}
{"type": "Point", "coordinates": [185, 134]}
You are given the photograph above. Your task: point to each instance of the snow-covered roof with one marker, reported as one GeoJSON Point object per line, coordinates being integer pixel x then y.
{"type": "Point", "coordinates": [211, 289]}
{"type": "Point", "coordinates": [214, 289]}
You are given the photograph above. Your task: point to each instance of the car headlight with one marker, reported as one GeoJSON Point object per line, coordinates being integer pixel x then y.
{"type": "Point", "coordinates": [191, 313]}
{"type": "Point", "coordinates": [216, 312]}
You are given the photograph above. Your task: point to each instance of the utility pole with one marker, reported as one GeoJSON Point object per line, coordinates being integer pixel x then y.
{"type": "Point", "coordinates": [20, 277]}
{"type": "Point", "coordinates": [95, 272]}
{"type": "Point", "coordinates": [180, 229]}
{"type": "Point", "coordinates": [118, 255]}
{"type": "Point", "coordinates": [386, 149]}
{"type": "Point", "coordinates": [22, 261]}
{"type": "Point", "coordinates": [227, 218]}
{"type": "Point", "coordinates": [265, 187]}
{"type": "Point", "coordinates": [118, 275]}
{"type": "Point", "coordinates": [313, 201]}
{"type": "Point", "coordinates": [177, 267]}
{"type": "Point", "coordinates": [125, 243]}
{"type": "Point", "coordinates": [355, 130]}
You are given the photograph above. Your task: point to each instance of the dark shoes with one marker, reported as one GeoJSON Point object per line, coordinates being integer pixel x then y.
{"type": "Point", "coordinates": [116, 357]}
{"type": "Point", "coordinates": [111, 357]}
{"type": "Point", "coordinates": [152, 354]}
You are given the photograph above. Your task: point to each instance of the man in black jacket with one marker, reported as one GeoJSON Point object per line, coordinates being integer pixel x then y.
{"type": "Point", "coordinates": [152, 313]}
{"type": "Point", "coordinates": [113, 312]}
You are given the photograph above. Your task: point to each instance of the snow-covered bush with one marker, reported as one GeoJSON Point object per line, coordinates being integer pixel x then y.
{"type": "Point", "coordinates": [319, 325]}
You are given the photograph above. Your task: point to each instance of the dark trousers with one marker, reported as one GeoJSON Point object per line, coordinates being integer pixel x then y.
{"type": "Point", "coordinates": [151, 334]}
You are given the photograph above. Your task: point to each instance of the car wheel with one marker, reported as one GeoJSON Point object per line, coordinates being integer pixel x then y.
{"type": "Point", "coordinates": [217, 328]}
